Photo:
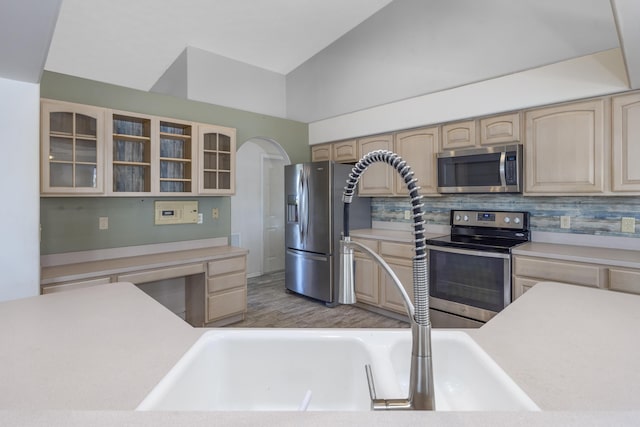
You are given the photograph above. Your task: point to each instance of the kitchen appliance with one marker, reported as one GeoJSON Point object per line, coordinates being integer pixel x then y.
{"type": "Point", "coordinates": [483, 170]}
{"type": "Point", "coordinates": [470, 269]}
{"type": "Point", "coordinates": [313, 225]}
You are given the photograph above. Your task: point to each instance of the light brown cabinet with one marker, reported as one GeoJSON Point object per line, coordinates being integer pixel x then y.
{"type": "Point", "coordinates": [565, 149]}
{"type": "Point", "coordinates": [459, 135]}
{"type": "Point", "coordinates": [504, 129]}
{"type": "Point", "coordinates": [72, 149]}
{"type": "Point", "coordinates": [226, 290]}
{"type": "Point", "coordinates": [529, 270]}
{"type": "Point", "coordinates": [96, 151]}
{"type": "Point", "coordinates": [345, 151]}
{"type": "Point", "coordinates": [374, 287]}
{"type": "Point", "coordinates": [419, 148]}
{"type": "Point", "coordinates": [626, 143]}
{"type": "Point", "coordinates": [379, 178]}
{"type": "Point", "coordinates": [321, 152]}
{"type": "Point", "coordinates": [217, 159]}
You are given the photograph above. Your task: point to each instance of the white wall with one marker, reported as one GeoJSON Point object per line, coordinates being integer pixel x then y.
{"type": "Point", "coordinates": [19, 187]}
{"type": "Point", "coordinates": [591, 75]}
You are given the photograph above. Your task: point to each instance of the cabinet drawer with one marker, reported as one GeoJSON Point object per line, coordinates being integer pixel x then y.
{"type": "Point", "coordinates": [371, 244]}
{"type": "Point", "coordinates": [49, 289]}
{"type": "Point", "coordinates": [227, 281]}
{"type": "Point", "coordinates": [400, 250]}
{"type": "Point", "coordinates": [567, 272]}
{"type": "Point", "coordinates": [621, 279]}
{"type": "Point", "coordinates": [162, 273]}
{"type": "Point", "coordinates": [228, 265]}
{"type": "Point", "coordinates": [226, 304]}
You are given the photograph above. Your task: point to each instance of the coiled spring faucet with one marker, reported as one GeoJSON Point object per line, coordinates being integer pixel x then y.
{"type": "Point", "coordinates": [421, 393]}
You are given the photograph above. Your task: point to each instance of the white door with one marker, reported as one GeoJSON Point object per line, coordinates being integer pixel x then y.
{"type": "Point", "coordinates": [273, 212]}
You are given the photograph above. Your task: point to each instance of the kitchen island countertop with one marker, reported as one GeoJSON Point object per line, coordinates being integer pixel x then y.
{"type": "Point", "coordinates": [89, 356]}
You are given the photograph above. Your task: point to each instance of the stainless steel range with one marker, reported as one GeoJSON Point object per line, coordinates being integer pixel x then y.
{"type": "Point", "coordinates": [470, 270]}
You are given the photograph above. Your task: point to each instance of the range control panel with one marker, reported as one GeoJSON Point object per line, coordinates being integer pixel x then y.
{"type": "Point", "coordinates": [492, 219]}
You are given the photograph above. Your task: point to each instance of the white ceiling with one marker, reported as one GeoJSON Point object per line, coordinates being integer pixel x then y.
{"type": "Point", "coordinates": [132, 42]}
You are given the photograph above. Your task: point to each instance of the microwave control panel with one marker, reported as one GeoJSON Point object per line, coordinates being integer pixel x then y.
{"type": "Point", "coordinates": [492, 219]}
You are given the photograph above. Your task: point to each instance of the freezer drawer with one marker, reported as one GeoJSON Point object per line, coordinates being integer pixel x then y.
{"type": "Point", "coordinates": [309, 274]}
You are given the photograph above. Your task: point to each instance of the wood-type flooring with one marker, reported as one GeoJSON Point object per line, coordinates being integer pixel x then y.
{"type": "Point", "coordinates": [269, 305]}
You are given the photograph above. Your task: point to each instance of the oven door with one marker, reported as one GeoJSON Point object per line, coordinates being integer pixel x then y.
{"type": "Point", "coordinates": [469, 283]}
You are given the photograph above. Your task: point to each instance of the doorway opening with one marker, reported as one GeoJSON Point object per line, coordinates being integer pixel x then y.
{"type": "Point", "coordinates": [257, 208]}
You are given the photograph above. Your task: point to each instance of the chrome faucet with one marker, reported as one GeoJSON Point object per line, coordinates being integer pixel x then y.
{"type": "Point", "coordinates": [421, 393]}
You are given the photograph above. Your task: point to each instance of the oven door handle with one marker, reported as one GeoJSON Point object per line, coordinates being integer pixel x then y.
{"type": "Point", "coordinates": [468, 252]}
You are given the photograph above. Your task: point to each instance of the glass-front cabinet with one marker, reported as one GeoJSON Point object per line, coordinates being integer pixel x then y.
{"type": "Point", "coordinates": [72, 148]}
{"type": "Point", "coordinates": [176, 161]}
{"type": "Point", "coordinates": [131, 154]}
{"type": "Point", "coordinates": [88, 151]}
{"type": "Point", "coordinates": [217, 160]}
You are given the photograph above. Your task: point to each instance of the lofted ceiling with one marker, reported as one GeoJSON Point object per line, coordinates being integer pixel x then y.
{"type": "Point", "coordinates": [132, 43]}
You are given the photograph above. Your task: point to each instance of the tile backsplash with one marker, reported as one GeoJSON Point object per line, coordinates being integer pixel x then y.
{"type": "Point", "coordinates": [589, 215]}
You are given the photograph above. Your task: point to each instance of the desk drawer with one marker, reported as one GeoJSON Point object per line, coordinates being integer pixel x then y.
{"type": "Point", "coordinates": [227, 281]}
{"type": "Point", "coordinates": [624, 280]}
{"type": "Point", "coordinates": [227, 265]}
{"type": "Point", "coordinates": [226, 304]}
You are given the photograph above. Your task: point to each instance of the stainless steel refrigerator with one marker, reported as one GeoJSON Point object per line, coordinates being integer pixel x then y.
{"type": "Point", "coordinates": [313, 225]}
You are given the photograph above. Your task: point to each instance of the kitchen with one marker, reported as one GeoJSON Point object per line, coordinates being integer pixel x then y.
{"type": "Point", "coordinates": [365, 122]}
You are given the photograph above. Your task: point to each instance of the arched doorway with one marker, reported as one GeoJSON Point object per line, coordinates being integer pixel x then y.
{"type": "Point", "coordinates": [257, 208]}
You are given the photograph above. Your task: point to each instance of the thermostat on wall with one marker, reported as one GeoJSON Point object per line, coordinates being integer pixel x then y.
{"type": "Point", "coordinates": [176, 212]}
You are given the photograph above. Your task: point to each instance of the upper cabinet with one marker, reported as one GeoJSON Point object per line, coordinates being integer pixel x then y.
{"type": "Point", "coordinates": [418, 148]}
{"type": "Point", "coordinates": [626, 143]}
{"type": "Point", "coordinates": [340, 152]}
{"type": "Point", "coordinates": [379, 178]}
{"type": "Point", "coordinates": [503, 129]}
{"type": "Point", "coordinates": [130, 154]}
{"type": "Point", "coordinates": [217, 159]}
{"type": "Point", "coordinates": [565, 149]}
{"type": "Point", "coordinates": [459, 135]}
{"type": "Point", "coordinates": [72, 149]}
{"type": "Point", "coordinates": [96, 151]}
{"type": "Point", "coordinates": [321, 152]}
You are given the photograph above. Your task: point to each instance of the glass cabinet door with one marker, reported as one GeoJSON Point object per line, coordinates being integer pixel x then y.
{"type": "Point", "coordinates": [176, 170]}
{"type": "Point", "coordinates": [217, 160]}
{"type": "Point", "coordinates": [72, 148]}
{"type": "Point", "coordinates": [131, 154]}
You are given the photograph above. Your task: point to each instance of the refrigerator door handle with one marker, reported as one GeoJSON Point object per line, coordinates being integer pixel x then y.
{"type": "Point", "coordinates": [307, 255]}
{"type": "Point", "coordinates": [301, 205]}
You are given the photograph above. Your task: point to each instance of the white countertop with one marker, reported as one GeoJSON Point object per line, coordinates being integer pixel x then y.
{"type": "Point", "coordinates": [400, 236]}
{"type": "Point", "coordinates": [89, 356]}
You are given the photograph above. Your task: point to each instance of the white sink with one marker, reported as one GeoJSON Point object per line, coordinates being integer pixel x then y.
{"type": "Point", "coordinates": [323, 369]}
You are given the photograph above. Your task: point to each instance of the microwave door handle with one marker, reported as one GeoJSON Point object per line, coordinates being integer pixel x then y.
{"type": "Point", "coordinates": [503, 176]}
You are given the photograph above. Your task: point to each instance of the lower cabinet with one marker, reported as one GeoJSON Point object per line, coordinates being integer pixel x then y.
{"type": "Point", "coordinates": [373, 285]}
{"type": "Point", "coordinates": [226, 290]}
{"type": "Point", "coordinates": [527, 271]}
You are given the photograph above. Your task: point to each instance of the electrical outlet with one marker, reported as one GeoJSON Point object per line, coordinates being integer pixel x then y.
{"type": "Point", "coordinates": [407, 214]}
{"type": "Point", "coordinates": [215, 214]}
{"type": "Point", "coordinates": [200, 218]}
{"type": "Point", "coordinates": [628, 225]}
{"type": "Point", "coordinates": [565, 221]}
{"type": "Point", "coordinates": [103, 223]}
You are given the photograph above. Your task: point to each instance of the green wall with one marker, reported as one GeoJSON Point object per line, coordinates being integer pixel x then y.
{"type": "Point", "coordinates": [71, 223]}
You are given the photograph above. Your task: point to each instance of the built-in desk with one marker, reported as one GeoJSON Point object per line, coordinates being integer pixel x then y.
{"type": "Point", "coordinates": [214, 274]}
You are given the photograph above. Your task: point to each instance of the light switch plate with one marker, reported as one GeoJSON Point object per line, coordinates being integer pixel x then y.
{"type": "Point", "coordinates": [628, 225]}
{"type": "Point", "coordinates": [565, 221]}
{"type": "Point", "coordinates": [103, 223]}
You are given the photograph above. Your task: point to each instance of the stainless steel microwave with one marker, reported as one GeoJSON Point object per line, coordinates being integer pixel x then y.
{"type": "Point", "coordinates": [495, 169]}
